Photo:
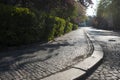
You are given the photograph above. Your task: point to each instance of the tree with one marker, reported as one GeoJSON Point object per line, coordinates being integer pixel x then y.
{"type": "Point", "coordinates": [116, 13]}
{"type": "Point", "coordinates": [109, 10]}
{"type": "Point", "coordinates": [86, 3]}
{"type": "Point", "coordinates": [104, 15]}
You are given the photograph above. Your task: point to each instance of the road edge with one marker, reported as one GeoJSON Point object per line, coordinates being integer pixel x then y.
{"type": "Point", "coordinates": [81, 69]}
{"type": "Point", "coordinates": [97, 53]}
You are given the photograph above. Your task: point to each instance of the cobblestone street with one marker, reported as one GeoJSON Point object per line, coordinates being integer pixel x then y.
{"type": "Point", "coordinates": [41, 60]}
{"type": "Point", "coordinates": [110, 68]}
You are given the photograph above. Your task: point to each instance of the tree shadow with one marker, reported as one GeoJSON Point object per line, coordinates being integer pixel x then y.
{"type": "Point", "coordinates": [28, 57]}
{"type": "Point", "coordinates": [33, 48]}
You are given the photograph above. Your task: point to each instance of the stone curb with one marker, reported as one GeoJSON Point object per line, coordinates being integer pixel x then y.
{"type": "Point", "coordinates": [82, 68]}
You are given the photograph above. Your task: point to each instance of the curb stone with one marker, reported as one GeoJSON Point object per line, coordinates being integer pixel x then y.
{"type": "Point", "coordinates": [82, 68]}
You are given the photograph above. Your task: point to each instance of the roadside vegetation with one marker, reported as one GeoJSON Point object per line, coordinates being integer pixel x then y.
{"type": "Point", "coordinates": [29, 21]}
{"type": "Point", "coordinates": [108, 15]}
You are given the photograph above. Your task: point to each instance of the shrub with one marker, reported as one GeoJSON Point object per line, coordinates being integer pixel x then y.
{"type": "Point", "coordinates": [49, 28]}
{"type": "Point", "coordinates": [54, 27]}
{"type": "Point", "coordinates": [68, 27]}
{"type": "Point", "coordinates": [60, 25]}
{"type": "Point", "coordinates": [20, 25]}
{"type": "Point", "coordinates": [17, 25]}
{"type": "Point", "coordinates": [75, 27]}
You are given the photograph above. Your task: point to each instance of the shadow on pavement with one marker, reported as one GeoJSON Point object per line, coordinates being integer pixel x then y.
{"type": "Point", "coordinates": [90, 71]}
{"type": "Point", "coordinates": [27, 55]}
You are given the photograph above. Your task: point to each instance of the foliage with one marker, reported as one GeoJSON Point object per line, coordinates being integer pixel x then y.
{"type": "Point", "coordinates": [27, 21]}
{"type": "Point", "coordinates": [109, 11]}
{"type": "Point", "coordinates": [24, 3]}
{"type": "Point", "coordinates": [115, 9]}
{"type": "Point", "coordinates": [60, 8]}
{"type": "Point", "coordinates": [68, 27]}
{"type": "Point", "coordinates": [17, 25]}
{"type": "Point", "coordinates": [75, 26]}
{"type": "Point", "coordinates": [103, 14]}
{"type": "Point", "coordinates": [86, 3]}
{"type": "Point", "coordinates": [60, 25]}
{"type": "Point", "coordinates": [54, 27]}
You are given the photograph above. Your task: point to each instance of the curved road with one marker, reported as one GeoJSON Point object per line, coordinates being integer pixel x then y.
{"type": "Point", "coordinates": [37, 61]}
{"type": "Point", "coordinates": [110, 67]}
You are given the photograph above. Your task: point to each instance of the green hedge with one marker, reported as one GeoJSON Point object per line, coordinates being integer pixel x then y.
{"type": "Point", "coordinates": [54, 27]}
{"type": "Point", "coordinates": [22, 26]}
{"type": "Point", "coordinates": [75, 27]}
{"type": "Point", "coordinates": [68, 27]}
{"type": "Point", "coordinates": [17, 25]}
{"type": "Point", "coordinates": [60, 25]}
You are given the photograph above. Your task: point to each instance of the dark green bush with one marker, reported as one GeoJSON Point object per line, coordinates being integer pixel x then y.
{"type": "Point", "coordinates": [54, 27]}
{"type": "Point", "coordinates": [75, 26]}
{"type": "Point", "coordinates": [17, 25]}
{"type": "Point", "coordinates": [49, 29]}
{"type": "Point", "coordinates": [22, 26]}
{"type": "Point", "coordinates": [68, 27]}
{"type": "Point", "coordinates": [60, 25]}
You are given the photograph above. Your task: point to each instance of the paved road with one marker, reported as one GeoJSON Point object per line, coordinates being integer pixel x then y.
{"type": "Point", "coordinates": [110, 42]}
{"type": "Point", "coordinates": [41, 60]}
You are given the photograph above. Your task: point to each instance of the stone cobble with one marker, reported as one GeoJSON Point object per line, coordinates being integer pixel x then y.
{"type": "Point", "coordinates": [41, 60]}
{"type": "Point", "coordinates": [110, 68]}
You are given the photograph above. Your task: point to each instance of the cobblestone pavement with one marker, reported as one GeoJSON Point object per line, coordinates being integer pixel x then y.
{"type": "Point", "coordinates": [110, 68]}
{"type": "Point", "coordinates": [41, 60]}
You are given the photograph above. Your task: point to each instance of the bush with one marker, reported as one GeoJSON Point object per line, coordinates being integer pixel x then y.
{"type": "Point", "coordinates": [17, 25]}
{"type": "Point", "coordinates": [22, 26]}
{"type": "Point", "coordinates": [49, 29]}
{"type": "Point", "coordinates": [54, 27]}
{"type": "Point", "coordinates": [75, 27]}
{"type": "Point", "coordinates": [60, 25]}
{"type": "Point", "coordinates": [68, 27]}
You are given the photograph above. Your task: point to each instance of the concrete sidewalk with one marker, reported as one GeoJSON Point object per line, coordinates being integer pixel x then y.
{"type": "Point", "coordinates": [41, 61]}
